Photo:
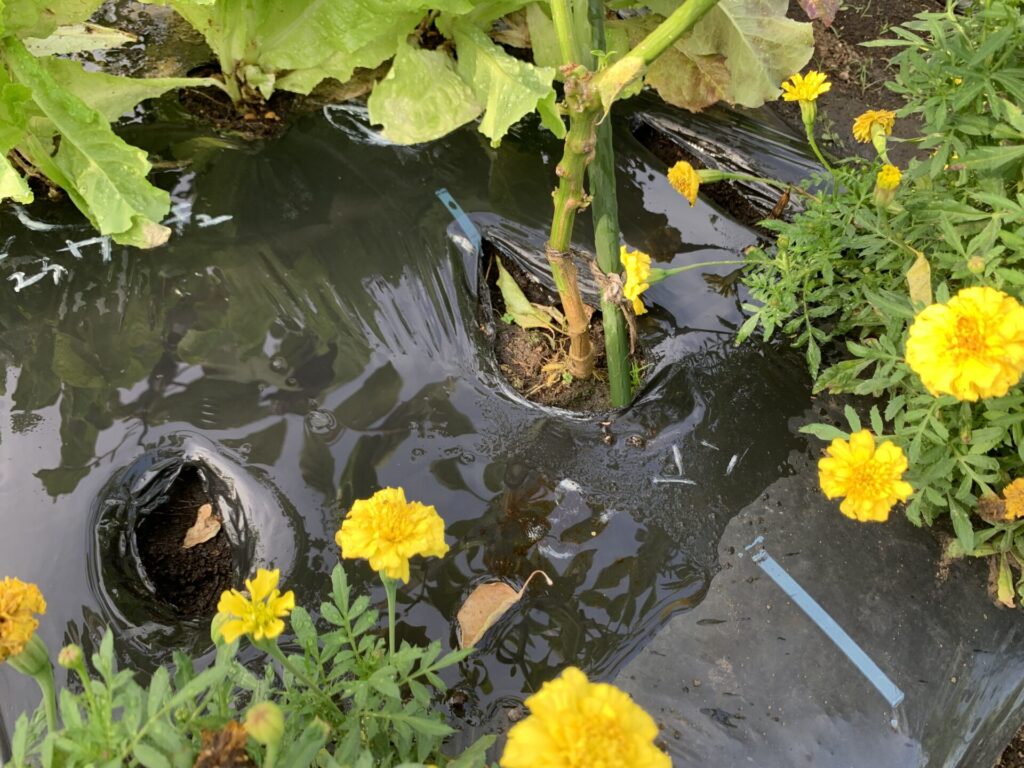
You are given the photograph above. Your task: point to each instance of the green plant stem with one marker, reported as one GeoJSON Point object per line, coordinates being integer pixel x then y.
{"type": "Point", "coordinates": [688, 267]}
{"type": "Point", "coordinates": [271, 757]}
{"type": "Point", "coordinates": [814, 146]}
{"type": "Point", "coordinates": [601, 175]}
{"type": "Point", "coordinates": [390, 589]}
{"type": "Point", "coordinates": [271, 648]}
{"type": "Point", "coordinates": [631, 66]}
{"type": "Point", "coordinates": [45, 682]}
{"type": "Point", "coordinates": [569, 197]}
{"type": "Point", "coordinates": [568, 44]}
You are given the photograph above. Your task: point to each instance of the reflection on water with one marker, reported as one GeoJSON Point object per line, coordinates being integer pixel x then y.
{"type": "Point", "coordinates": [315, 343]}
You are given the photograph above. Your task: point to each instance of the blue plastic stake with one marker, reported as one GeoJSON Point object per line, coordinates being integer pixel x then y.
{"type": "Point", "coordinates": [460, 217]}
{"type": "Point", "coordinates": [828, 625]}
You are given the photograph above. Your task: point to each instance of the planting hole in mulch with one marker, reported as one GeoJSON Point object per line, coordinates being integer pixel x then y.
{"type": "Point", "coordinates": [184, 549]}
{"type": "Point", "coordinates": [532, 360]}
{"type": "Point", "coordinates": [171, 535]}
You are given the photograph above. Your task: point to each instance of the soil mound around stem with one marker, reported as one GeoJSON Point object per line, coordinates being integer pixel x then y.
{"type": "Point", "coordinates": [532, 360]}
{"type": "Point", "coordinates": [189, 578]}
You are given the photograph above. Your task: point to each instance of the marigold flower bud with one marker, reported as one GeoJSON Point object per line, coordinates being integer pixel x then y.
{"type": "Point", "coordinates": [70, 656]}
{"type": "Point", "coordinates": [976, 264]}
{"type": "Point", "coordinates": [265, 723]}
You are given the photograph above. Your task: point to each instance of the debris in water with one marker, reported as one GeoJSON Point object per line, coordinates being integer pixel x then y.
{"type": "Point", "coordinates": [485, 605]}
{"type": "Point", "coordinates": [207, 526]}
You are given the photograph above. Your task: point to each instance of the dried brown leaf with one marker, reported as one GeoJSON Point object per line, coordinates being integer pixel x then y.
{"type": "Point", "coordinates": [225, 748]}
{"type": "Point", "coordinates": [206, 526]}
{"type": "Point", "coordinates": [485, 605]}
{"type": "Point", "coordinates": [821, 10]}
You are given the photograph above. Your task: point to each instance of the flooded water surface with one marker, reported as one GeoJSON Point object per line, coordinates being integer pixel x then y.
{"type": "Point", "coordinates": [308, 336]}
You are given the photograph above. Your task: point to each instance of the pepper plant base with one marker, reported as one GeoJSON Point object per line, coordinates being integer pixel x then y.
{"type": "Point", "coordinates": [533, 360]}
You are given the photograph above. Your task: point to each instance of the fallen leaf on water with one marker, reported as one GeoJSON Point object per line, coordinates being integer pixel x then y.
{"type": "Point", "coordinates": [485, 605]}
{"type": "Point", "coordinates": [207, 526]}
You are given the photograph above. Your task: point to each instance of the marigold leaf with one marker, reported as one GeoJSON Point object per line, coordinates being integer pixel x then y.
{"type": "Point", "coordinates": [485, 605]}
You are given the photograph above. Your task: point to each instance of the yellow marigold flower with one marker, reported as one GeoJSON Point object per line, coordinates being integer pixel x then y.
{"type": "Point", "coordinates": [972, 347]}
{"type": "Point", "coordinates": [574, 723]}
{"type": "Point", "coordinates": [864, 125]}
{"type": "Point", "coordinates": [259, 615]}
{"type": "Point", "coordinates": [387, 530]}
{"type": "Point", "coordinates": [805, 87]}
{"type": "Point", "coordinates": [1014, 497]}
{"type": "Point", "coordinates": [684, 180]}
{"type": "Point", "coordinates": [638, 273]}
{"type": "Point", "coordinates": [870, 477]}
{"type": "Point", "coordinates": [888, 177]}
{"type": "Point", "coordinates": [19, 602]}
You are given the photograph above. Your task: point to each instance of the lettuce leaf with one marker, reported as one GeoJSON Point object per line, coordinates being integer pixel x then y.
{"type": "Point", "coordinates": [103, 175]}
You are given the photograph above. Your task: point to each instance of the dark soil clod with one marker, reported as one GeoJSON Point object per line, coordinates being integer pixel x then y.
{"type": "Point", "coordinates": [191, 580]}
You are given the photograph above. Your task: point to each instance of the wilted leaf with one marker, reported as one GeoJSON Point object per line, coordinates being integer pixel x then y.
{"type": "Point", "coordinates": [206, 526]}
{"type": "Point", "coordinates": [760, 46]}
{"type": "Point", "coordinates": [485, 605]}
{"type": "Point", "coordinates": [507, 88]}
{"type": "Point", "coordinates": [13, 184]}
{"type": "Point", "coordinates": [73, 38]}
{"type": "Point", "coordinates": [422, 98]}
{"type": "Point", "coordinates": [113, 96]}
{"type": "Point", "coordinates": [821, 10]}
{"type": "Point", "coordinates": [919, 281]}
{"type": "Point", "coordinates": [525, 313]}
{"type": "Point", "coordinates": [1000, 581]}
{"type": "Point", "coordinates": [105, 177]}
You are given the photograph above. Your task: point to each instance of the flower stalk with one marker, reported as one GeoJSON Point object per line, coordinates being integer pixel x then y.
{"type": "Point", "coordinates": [34, 661]}
{"type": "Point", "coordinates": [390, 589]}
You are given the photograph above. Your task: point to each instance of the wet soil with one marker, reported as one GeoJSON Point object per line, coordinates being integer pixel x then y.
{"type": "Point", "coordinates": [522, 354]}
{"type": "Point", "coordinates": [858, 75]}
{"type": "Point", "coordinates": [191, 579]}
{"type": "Point", "coordinates": [257, 120]}
{"type": "Point", "coordinates": [1013, 757]}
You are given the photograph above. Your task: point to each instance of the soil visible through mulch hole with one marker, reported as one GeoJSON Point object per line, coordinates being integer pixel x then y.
{"type": "Point", "coordinates": [191, 580]}
{"type": "Point", "coordinates": [523, 353]}
{"type": "Point", "coordinates": [256, 121]}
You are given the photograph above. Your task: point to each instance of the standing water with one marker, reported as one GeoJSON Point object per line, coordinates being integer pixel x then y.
{"type": "Point", "coordinates": [307, 337]}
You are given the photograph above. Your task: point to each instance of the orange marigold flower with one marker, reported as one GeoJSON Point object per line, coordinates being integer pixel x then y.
{"type": "Point", "coordinates": [807, 87]}
{"type": "Point", "coordinates": [19, 602]}
{"type": "Point", "coordinates": [870, 477]}
{"type": "Point", "coordinates": [574, 723]}
{"type": "Point", "coordinates": [867, 123]}
{"type": "Point", "coordinates": [685, 180]}
{"type": "Point", "coordinates": [971, 347]}
{"type": "Point", "coordinates": [1014, 497]}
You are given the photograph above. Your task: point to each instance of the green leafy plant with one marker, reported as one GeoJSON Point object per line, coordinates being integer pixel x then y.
{"type": "Point", "coordinates": [55, 120]}
{"type": "Point", "coordinates": [852, 274]}
{"type": "Point", "coordinates": [449, 67]}
{"type": "Point", "coordinates": [343, 699]}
